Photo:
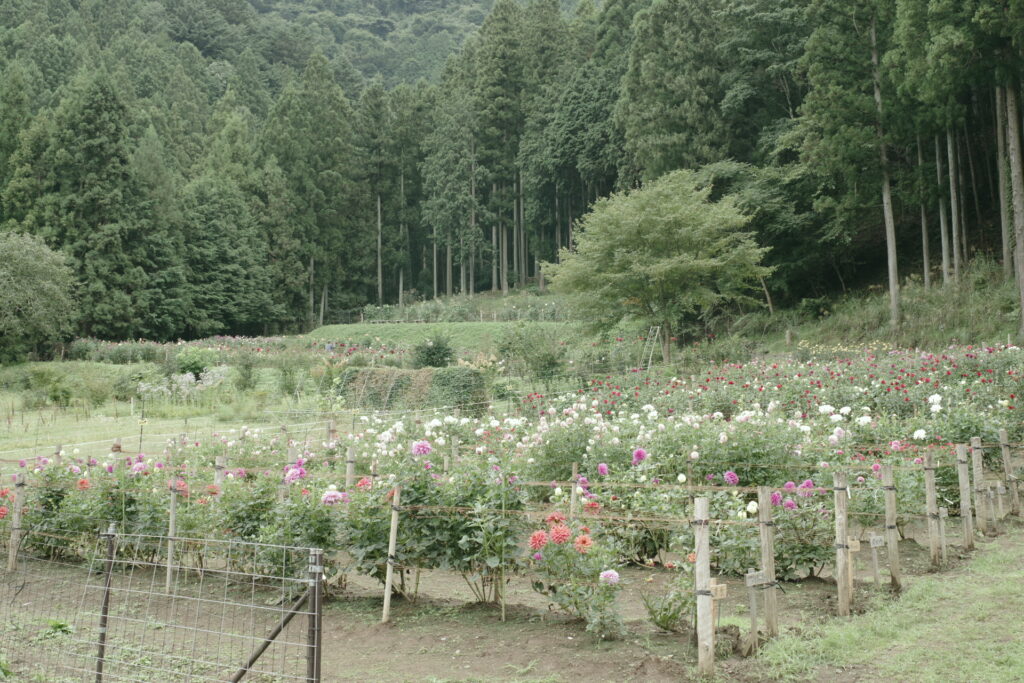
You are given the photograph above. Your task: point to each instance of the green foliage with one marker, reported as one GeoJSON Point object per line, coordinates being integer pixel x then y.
{"type": "Point", "coordinates": [196, 360]}
{"type": "Point", "coordinates": [570, 576]}
{"type": "Point", "coordinates": [458, 387]}
{"type": "Point", "coordinates": [36, 295]}
{"type": "Point", "coordinates": [436, 352]}
{"type": "Point", "coordinates": [665, 255]}
{"type": "Point", "coordinates": [535, 349]}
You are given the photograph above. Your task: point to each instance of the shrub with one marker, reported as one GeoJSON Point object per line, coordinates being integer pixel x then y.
{"type": "Point", "coordinates": [461, 387]}
{"type": "Point", "coordinates": [577, 573]}
{"type": "Point", "coordinates": [435, 352]}
{"type": "Point", "coordinates": [195, 360]}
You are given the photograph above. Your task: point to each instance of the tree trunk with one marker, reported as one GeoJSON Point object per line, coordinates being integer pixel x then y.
{"type": "Point", "coordinates": [523, 252]}
{"type": "Point", "coordinates": [925, 256]}
{"type": "Point", "coordinates": [380, 261]}
{"type": "Point", "coordinates": [504, 260]}
{"type": "Point", "coordinates": [558, 228]}
{"type": "Point", "coordinates": [494, 247]}
{"type": "Point", "coordinates": [1004, 213]}
{"type": "Point", "coordinates": [516, 256]}
{"type": "Point", "coordinates": [890, 223]}
{"type": "Point", "coordinates": [448, 268]}
{"type": "Point", "coordinates": [1017, 192]}
{"type": "Point", "coordinates": [666, 341]}
{"type": "Point", "coordinates": [462, 265]}
{"type": "Point", "coordinates": [401, 287]}
{"type": "Point", "coordinates": [311, 294]}
{"type": "Point", "coordinates": [472, 269]}
{"type": "Point", "coordinates": [323, 303]}
{"type": "Point", "coordinates": [943, 225]}
{"type": "Point", "coordinates": [434, 247]}
{"type": "Point", "coordinates": [974, 190]}
{"type": "Point", "coordinates": [962, 177]}
{"type": "Point", "coordinates": [954, 204]}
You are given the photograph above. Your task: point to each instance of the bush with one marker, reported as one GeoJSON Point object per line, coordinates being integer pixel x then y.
{"type": "Point", "coordinates": [539, 352]}
{"type": "Point", "coordinates": [460, 387]}
{"type": "Point", "coordinates": [195, 360]}
{"type": "Point", "coordinates": [435, 352]}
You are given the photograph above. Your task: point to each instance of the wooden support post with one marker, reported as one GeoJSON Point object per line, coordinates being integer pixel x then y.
{"type": "Point", "coordinates": [892, 537]}
{"type": "Point", "coordinates": [373, 472]}
{"type": "Point", "coordinates": [218, 469]}
{"type": "Point", "coordinates": [931, 508]}
{"type": "Point", "coordinates": [14, 543]}
{"type": "Point", "coordinates": [980, 498]}
{"type": "Point", "coordinates": [755, 580]}
{"type": "Point", "coordinates": [172, 531]}
{"type": "Point", "coordinates": [705, 623]}
{"type": "Point", "coordinates": [58, 455]}
{"type": "Point", "coordinates": [854, 547]}
{"type": "Point", "coordinates": [350, 467]}
{"type": "Point", "coordinates": [943, 514]}
{"type": "Point", "coordinates": [876, 542]}
{"type": "Point", "coordinates": [1000, 494]}
{"type": "Point", "coordinates": [767, 531]}
{"type": "Point", "coordinates": [573, 496]}
{"type": "Point", "coordinates": [455, 450]}
{"type": "Point", "coordinates": [314, 605]}
{"type": "Point", "coordinates": [964, 477]}
{"type": "Point", "coordinates": [332, 433]}
{"type": "Point", "coordinates": [842, 548]}
{"type": "Point", "coordinates": [1011, 478]}
{"type": "Point", "coordinates": [389, 577]}
{"type": "Point", "coordinates": [990, 494]}
{"type": "Point", "coordinates": [116, 447]}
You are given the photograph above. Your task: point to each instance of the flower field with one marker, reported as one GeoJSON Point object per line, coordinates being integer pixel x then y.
{"type": "Point", "coordinates": [570, 490]}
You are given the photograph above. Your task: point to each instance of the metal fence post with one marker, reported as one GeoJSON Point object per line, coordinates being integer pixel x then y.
{"type": "Point", "coordinates": [315, 607]}
{"type": "Point", "coordinates": [105, 606]}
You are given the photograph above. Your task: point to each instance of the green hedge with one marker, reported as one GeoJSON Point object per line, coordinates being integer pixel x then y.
{"type": "Point", "coordinates": [397, 388]}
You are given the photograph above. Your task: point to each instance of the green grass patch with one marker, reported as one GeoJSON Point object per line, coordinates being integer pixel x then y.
{"type": "Point", "coordinates": [958, 626]}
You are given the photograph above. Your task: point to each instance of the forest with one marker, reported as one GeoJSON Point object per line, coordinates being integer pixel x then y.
{"type": "Point", "coordinates": [231, 167]}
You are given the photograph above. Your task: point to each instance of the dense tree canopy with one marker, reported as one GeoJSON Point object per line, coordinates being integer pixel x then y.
{"type": "Point", "coordinates": [262, 166]}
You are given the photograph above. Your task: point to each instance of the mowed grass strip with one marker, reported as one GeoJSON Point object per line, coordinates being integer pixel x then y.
{"type": "Point", "coordinates": [963, 625]}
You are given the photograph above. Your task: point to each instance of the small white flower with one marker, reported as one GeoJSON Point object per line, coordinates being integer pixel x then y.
{"type": "Point", "coordinates": [935, 399]}
{"type": "Point", "coordinates": [558, 491]}
{"type": "Point", "coordinates": [752, 507]}
{"type": "Point", "coordinates": [936, 408]}
{"type": "Point", "coordinates": [845, 410]}
{"type": "Point", "coordinates": [694, 455]}
{"type": "Point", "coordinates": [681, 478]}
{"type": "Point", "coordinates": [920, 434]}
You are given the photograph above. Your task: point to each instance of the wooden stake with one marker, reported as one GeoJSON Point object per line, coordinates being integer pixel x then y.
{"type": "Point", "coordinates": [767, 531]}
{"type": "Point", "coordinates": [754, 581]}
{"type": "Point", "coordinates": [14, 543]}
{"type": "Point", "coordinates": [218, 469]}
{"type": "Point", "coordinates": [891, 533]}
{"type": "Point", "coordinates": [172, 531]}
{"type": "Point", "coordinates": [1000, 494]}
{"type": "Point", "coordinates": [964, 477]}
{"type": "Point", "coordinates": [980, 499]}
{"type": "Point", "coordinates": [1011, 478]}
{"type": "Point", "coordinates": [389, 577]}
{"type": "Point", "coordinates": [876, 543]}
{"type": "Point", "coordinates": [350, 467]}
{"type": "Point", "coordinates": [573, 496]}
{"type": "Point", "coordinates": [705, 624]}
{"type": "Point", "coordinates": [990, 494]}
{"type": "Point", "coordinates": [842, 549]}
{"type": "Point", "coordinates": [931, 508]}
{"type": "Point", "coordinates": [854, 547]}
{"type": "Point", "coordinates": [943, 514]}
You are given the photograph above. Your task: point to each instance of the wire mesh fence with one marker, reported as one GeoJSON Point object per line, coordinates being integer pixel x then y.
{"type": "Point", "coordinates": [130, 607]}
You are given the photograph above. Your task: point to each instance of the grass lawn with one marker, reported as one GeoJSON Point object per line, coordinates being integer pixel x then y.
{"type": "Point", "coordinates": [962, 625]}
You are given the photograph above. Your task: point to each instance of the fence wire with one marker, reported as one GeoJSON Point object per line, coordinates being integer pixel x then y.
{"type": "Point", "coordinates": [200, 617]}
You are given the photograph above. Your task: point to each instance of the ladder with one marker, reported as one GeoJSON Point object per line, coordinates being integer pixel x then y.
{"type": "Point", "coordinates": [647, 353]}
